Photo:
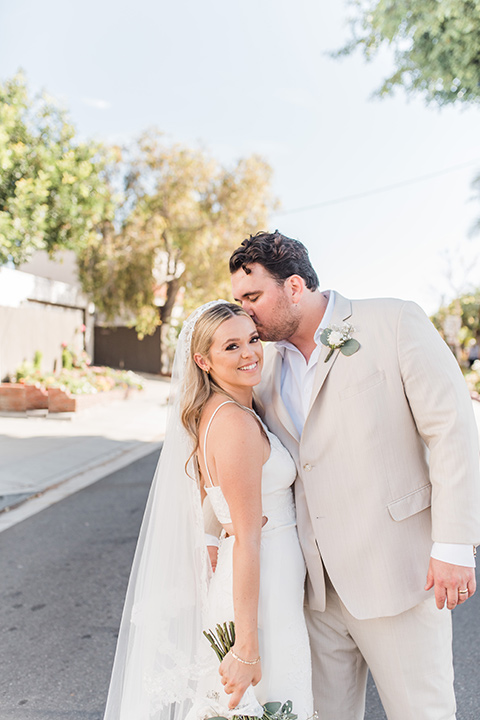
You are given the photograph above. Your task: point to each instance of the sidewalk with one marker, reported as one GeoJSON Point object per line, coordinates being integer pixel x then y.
{"type": "Point", "coordinates": [40, 453]}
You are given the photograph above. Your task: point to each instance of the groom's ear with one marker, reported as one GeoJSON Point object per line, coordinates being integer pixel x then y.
{"type": "Point", "coordinates": [295, 286]}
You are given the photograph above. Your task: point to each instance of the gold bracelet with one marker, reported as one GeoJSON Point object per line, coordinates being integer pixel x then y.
{"type": "Point", "coordinates": [245, 662]}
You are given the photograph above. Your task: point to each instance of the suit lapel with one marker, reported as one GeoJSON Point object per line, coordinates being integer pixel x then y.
{"type": "Point", "coordinates": [342, 310]}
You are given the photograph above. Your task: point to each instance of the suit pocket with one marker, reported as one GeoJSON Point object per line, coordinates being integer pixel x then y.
{"type": "Point", "coordinates": [411, 504]}
{"type": "Point", "coordinates": [366, 384]}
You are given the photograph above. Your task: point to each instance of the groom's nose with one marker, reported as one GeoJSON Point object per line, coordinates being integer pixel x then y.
{"type": "Point", "coordinates": [248, 308]}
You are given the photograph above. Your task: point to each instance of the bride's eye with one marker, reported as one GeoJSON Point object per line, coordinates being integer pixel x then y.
{"type": "Point", "coordinates": [254, 339]}
{"type": "Point", "coordinates": [233, 346]}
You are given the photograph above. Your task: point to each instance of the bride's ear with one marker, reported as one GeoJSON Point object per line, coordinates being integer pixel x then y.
{"type": "Point", "coordinates": [201, 362]}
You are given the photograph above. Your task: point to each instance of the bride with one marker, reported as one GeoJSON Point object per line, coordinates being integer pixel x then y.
{"type": "Point", "coordinates": [215, 445]}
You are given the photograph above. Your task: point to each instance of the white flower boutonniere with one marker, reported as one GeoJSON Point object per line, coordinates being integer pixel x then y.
{"type": "Point", "coordinates": [339, 338]}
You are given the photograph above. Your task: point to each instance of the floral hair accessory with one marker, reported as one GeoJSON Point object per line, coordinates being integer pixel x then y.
{"type": "Point", "coordinates": [339, 338]}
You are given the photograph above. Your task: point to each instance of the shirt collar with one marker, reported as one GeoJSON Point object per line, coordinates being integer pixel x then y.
{"type": "Point", "coordinates": [283, 345]}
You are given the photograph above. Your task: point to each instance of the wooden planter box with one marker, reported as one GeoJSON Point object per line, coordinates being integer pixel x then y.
{"type": "Point", "coordinates": [36, 397]}
{"type": "Point", "coordinates": [62, 401]}
{"type": "Point", "coordinates": [16, 397]}
{"type": "Point", "coordinates": [13, 397]}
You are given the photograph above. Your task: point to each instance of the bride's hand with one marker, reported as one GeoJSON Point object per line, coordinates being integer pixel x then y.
{"type": "Point", "coordinates": [237, 676]}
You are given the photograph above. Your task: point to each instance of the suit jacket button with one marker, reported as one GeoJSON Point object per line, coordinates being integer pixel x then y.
{"type": "Point", "coordinates": [307, 467]}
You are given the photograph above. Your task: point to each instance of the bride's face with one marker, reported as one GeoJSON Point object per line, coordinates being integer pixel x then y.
{"type": "Point", "coordinates": [236, 355]}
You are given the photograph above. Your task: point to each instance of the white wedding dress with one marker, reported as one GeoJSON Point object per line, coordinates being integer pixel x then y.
{"type": "Point", "coordinates": [283, 639]}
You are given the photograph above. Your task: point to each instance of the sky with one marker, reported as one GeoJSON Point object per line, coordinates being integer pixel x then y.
{"type": "Point", "coordinates": [256, 76]}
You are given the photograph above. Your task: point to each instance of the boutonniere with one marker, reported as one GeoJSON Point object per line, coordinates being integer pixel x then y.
{"type": "Point", "coordinates": [339, 338]}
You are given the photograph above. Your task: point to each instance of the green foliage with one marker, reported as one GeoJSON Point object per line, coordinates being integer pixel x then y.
{"type": "Point", "coordinates": [79, 381]}
{"type": "Point", "coordinates": [67, 358]}
{"type": "Point", "coordinates": [436, 45]}
{"type": "Point", "coordinates": [182, 214]}
{"type": "Point", "coordinates": [472, 378]}
{"type": "Point", "coordinates": [172, 226]}
{"type": "Point", "coordinates": [37, 359]}
{"type": "Point", "coordinates": [52, 191]}
{"type": "Point", "coordinates": [350, 347]}
{"type": "Point", "coordinates": [468, 307]}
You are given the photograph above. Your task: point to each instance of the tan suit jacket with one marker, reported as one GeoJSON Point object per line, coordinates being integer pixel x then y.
{"type": "Point", "coordinates": [388, 459]}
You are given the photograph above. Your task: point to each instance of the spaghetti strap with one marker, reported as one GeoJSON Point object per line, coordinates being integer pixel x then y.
{"type": "Point", "coordinates": [205, 438]}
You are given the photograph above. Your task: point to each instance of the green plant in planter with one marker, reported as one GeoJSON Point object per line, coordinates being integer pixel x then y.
{"type": "Point", "coordinates": [67, 357]}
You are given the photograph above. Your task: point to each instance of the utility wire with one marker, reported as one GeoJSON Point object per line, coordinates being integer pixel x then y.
{"type": "Point", "coordinates": [377, 191]}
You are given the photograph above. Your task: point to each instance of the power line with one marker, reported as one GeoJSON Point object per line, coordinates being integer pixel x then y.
{"type": "Point", "coordinates": [377, 191]}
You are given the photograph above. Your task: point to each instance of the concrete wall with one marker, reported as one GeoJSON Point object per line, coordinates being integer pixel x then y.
{"type": "Point", "coordinates": [40, 314]}
{"type": "Point", "coordinates": [29, 328]}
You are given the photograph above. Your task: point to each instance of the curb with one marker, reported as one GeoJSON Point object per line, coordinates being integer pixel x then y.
{"type": "Point", "coordinates": [28, 505]}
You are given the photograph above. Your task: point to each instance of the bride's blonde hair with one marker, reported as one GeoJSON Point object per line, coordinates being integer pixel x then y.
{"type": "Point", "coordinates": [199, 385]}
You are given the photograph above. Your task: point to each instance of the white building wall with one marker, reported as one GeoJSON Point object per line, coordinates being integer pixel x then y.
{"type": "Point", "coordinates": [37, 313]}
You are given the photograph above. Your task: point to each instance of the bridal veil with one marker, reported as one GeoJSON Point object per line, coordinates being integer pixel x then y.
{"type": "Point", "coordinates": [156, 666]}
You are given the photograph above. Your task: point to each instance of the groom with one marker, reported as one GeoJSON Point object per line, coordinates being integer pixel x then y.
{"type": "Point", "coordinates": [388, 490]}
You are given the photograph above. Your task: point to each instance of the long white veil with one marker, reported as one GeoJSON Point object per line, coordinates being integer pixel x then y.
{"type": "Point", "coordinates": [157, 661]}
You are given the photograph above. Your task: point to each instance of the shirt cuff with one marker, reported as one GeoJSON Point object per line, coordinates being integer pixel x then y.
{"type": "Point", "coordinates": [454, 554]}
{"type": "Point", "coordinates": [211, 540]}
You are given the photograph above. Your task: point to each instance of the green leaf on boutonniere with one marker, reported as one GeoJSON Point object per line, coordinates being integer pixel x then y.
{"type": "Point", "coordinates": [324, 336]}
{"type": "Point", "coordinates": [350, 347]}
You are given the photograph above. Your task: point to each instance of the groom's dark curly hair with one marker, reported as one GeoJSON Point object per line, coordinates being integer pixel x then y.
{"type": "Point", "coordinates": [280, 256]}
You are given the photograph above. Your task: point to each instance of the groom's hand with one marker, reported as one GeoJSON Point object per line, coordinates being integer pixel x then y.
{"type": "Point", "coordinates": [450, 582]}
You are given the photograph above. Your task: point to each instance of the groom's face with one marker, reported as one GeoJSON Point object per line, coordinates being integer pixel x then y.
{"type": "Point", "coordinates": [267, 302]}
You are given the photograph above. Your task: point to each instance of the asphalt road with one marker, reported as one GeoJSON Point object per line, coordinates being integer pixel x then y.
{"type": "Point", "coordinates": [63, 575]}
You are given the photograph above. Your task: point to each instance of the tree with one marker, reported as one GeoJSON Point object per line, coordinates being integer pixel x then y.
{"type": "Point", "coordinates": [182, 215]}
{"type": "Point", "coordinates": [436, 45]}
{"type": "Point", "coordinates": [467, 308]}
{"type": "Point", "coordinates": [52, 191]}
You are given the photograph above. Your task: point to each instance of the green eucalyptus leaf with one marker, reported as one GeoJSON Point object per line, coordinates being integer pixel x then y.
{"type": "Point", "coordinates": [272, 707]}
{"type": "Point", "coordinates": [350, 347]}
{"type": "Point", "coordinates": [324, 336]}
{"type": "Point", "coordinates": [287, 707]}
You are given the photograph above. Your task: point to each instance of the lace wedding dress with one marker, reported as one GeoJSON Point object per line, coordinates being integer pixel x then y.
{"type": "Point", "coordinates": [283, 639]}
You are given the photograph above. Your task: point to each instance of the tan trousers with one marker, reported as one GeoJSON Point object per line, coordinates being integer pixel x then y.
{"type": "Point", "coordinates": [409, 656]}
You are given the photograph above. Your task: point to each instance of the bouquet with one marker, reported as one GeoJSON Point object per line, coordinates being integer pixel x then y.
{"type": "Point", "coordinates": [221, 640]}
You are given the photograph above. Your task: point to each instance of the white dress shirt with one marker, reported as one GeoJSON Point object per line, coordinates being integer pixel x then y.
{"type": "Point", "coordinates": [296, 389]}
